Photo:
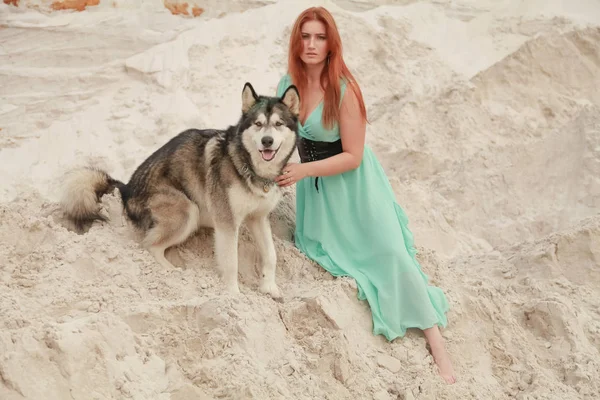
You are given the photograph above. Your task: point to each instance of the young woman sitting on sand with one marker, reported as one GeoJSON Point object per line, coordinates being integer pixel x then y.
{"type": "Point", "coordinates": [347, 218]}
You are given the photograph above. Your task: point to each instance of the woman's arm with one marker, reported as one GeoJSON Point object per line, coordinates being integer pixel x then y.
{"type": "Point", "coordinates": [352, 133]}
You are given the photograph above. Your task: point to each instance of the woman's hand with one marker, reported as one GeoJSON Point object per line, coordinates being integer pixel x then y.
{"type": "Point", "coordinates": [292, 173]}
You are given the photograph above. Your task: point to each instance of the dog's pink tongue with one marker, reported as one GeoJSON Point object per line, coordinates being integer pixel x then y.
{"type": "Point", "coordinates": [268, 155]}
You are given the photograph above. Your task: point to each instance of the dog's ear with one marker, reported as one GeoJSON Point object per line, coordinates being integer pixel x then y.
{"type": "Point", "coordinates": [249, 97]}
{"type": "Point", "coordinates": [291, 98]}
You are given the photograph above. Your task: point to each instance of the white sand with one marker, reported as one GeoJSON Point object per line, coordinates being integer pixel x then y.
{"type": "Point", "coordinates": [486, 117]}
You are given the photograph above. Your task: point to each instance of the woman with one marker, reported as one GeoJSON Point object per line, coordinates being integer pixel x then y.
{"type": "Point", "coordinates": [347, 218]}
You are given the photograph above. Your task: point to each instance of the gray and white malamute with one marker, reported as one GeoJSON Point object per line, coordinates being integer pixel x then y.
{"type": "Point", "coordinates": [203, 178]}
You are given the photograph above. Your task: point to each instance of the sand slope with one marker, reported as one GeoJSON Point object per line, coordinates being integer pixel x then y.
{"type": "Point", "coordinates": [486, 117]}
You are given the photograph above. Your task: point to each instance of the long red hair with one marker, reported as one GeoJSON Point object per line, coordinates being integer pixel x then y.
{"type": "Point", "coordinates": [334, 69]}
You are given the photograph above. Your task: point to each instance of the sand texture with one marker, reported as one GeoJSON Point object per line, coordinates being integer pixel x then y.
{"type": "Point", "coordinates": [484, 114]}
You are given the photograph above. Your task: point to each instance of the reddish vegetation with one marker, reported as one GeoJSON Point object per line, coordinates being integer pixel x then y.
{"type": "Point", "coordinates": [197, 11]}
{"type": "Point", "coordinates": [182, 8]}
{"type": "Point", "coordinates": [78, 5]}
{"type": "Point", "coordinates": [177, 7]}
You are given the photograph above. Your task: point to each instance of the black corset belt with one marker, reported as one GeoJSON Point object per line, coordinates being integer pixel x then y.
{"type": "Point", "coordinates": [310, 150]}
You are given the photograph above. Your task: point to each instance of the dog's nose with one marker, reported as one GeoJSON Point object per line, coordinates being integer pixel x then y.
{"type": "Point", "coordinates": [267, 141]}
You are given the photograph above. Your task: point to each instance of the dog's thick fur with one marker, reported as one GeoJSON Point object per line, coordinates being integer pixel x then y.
{"type": "Point", "coordinates": [204, 178]}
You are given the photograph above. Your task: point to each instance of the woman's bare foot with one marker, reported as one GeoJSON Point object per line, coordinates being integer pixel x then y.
{"type": "Point", "coordinates": [444, 365]}
{"type": "Point", "coordinates": [440, 356]}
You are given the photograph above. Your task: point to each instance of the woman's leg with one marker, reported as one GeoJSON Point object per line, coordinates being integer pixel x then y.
{"type": "Point", "coordinates": [438, 351]}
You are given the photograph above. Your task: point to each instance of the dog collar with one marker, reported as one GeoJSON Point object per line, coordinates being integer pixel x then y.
{"type": "Point", "coordinates": [268, 185]}
{"type": "Point", "coordinates": [257, 180]}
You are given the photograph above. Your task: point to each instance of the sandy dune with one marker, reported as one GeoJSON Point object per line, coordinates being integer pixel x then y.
{"type": "Point", "coordinates": [485, 115]}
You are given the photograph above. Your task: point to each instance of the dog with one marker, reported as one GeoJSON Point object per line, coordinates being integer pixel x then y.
{"type": "Point", "coordinates": [203, 178]}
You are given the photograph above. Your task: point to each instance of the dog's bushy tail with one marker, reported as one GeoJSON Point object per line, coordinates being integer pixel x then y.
{"type": "Point", "coordinates": [82, 190]}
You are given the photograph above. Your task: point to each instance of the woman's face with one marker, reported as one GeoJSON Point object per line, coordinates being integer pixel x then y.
{"type": "Point", "coordinates": [314, 41]}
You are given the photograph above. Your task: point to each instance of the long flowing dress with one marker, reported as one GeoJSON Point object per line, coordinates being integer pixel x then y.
{"type": "Point", "coordinates": [352, 226]}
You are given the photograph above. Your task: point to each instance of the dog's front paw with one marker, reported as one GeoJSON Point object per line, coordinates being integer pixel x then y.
{"type": "Point", "coordinates": [270, 287]}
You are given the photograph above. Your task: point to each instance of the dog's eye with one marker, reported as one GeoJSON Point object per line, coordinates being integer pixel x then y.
{"type": "Point", "coordinates": [278, 123]}
{"type": "Point", "coordinates": [258, 123]}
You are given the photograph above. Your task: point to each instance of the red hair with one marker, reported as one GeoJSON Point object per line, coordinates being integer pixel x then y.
{"type": "Point", "coordinates": [332, 72]}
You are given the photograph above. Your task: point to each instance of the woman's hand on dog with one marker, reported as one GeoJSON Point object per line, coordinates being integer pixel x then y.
{"type": "Point", "coordinates": [292, 173]}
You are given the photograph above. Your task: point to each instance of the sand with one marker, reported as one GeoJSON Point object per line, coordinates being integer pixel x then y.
{"type": "Point", "coordinates": [484, 114]}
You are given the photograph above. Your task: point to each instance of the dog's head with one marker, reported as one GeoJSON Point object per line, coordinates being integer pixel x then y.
{"type": "Point", "coordinates": [269, 129]}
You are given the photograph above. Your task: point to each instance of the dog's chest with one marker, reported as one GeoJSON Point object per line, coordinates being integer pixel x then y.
{"type": "Point", "coordinates": [244, 203]}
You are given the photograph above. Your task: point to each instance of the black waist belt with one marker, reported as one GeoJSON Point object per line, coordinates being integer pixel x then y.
{"type": "Point", "coordinates": [310, 150]}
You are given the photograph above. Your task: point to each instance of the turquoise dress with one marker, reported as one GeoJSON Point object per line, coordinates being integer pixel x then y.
{"type": "Point", "coordinates": [352, 226]}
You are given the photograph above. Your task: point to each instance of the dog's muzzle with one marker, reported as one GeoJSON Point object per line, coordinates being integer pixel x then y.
{"type": "Point", "coordinates": [267, 152]}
